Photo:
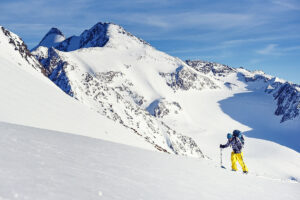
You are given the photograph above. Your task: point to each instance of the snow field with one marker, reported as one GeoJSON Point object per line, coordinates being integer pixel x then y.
{"type": "Point", "coordinates": [42, 164]}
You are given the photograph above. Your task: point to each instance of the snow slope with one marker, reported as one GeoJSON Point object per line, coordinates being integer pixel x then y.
{"type": "Point", "coordinates": [118, 80]}
{"type": "Point", "coordinates": [42, 164]}
{"type": "Point", "coordinates": [29, 98]}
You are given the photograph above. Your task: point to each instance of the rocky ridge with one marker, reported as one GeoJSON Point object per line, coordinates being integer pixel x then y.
{"type": "Point", "coordinates": [21, 48]}
{"type": "Point", "coordinates": [286, 94]}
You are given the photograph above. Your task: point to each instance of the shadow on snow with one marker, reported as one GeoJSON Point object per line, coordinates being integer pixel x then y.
{"type": "Point", "coordinates": [255, 109]}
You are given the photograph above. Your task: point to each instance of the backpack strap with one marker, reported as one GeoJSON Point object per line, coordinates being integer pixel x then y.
{"type": "Point", "coordinates": [238, 140]}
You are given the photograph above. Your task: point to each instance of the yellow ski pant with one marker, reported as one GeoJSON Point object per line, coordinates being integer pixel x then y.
{"type": "Point", "coordinates": [238, 157]}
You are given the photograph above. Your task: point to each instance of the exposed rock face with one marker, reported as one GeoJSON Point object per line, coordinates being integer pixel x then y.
{"type": "Point", "coordinates": [54, 68]}
{"type": "Point", "coordinates": [288, 101]}
{"type": "Point", "coordinates": [161, 108]}
{"type": "Point", "coordinates": [209, 67]}
{"type": "Point", "coordinates": [94, 37]}
{"type": "Point", "coordinates": [285, 93]}
{"type": "Point", "coordinates": [21, 47]}
{"type": "Point", "coordinates": [185, 78]}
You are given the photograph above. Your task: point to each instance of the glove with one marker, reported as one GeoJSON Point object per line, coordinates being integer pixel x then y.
{"type": "Point", "coordinates": [221, 146]}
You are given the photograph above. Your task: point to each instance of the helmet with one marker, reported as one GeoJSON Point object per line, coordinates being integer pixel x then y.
{"type": "Point", "coordinates": [229, 136]}
{"type": "Point", "coordinates": [236, 133]}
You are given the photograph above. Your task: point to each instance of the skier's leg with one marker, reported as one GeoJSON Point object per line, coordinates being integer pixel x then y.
{"type": "Point", "coordinates": [233, 161]}
{"type": "Point", "coordinates": [241, 161]}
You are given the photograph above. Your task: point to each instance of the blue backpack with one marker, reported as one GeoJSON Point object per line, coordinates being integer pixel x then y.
{"type": "Point", "coordinates": [238, 134]}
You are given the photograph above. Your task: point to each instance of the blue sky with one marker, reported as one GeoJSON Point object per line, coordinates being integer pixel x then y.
{"type": "Point", "coordinates": [255, 34]}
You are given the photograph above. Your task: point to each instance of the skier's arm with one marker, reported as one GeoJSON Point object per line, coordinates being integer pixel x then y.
{"type": "Point", "coordinates": [242, 140]}
{"type": "Point", "coordinates": [225, 145]}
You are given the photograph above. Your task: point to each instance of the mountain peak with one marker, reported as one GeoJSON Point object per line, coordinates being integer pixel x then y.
{"type": "Point", "coordinates": [56, 31]}
{"type": "Point", "coordinates": [52, 38]}
{"type": "Point", "coordinates": [97, 36]}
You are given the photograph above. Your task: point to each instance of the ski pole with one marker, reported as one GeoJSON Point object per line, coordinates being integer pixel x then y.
{"type": "Point", "coordinates": [221, 157]}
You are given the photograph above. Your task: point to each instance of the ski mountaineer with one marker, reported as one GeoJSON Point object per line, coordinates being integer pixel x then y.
{"type": "Point", "coordinates": [236, 141]}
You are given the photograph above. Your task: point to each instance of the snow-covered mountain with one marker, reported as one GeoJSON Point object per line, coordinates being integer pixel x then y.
{"type": "Point", "coordinates": [117, 87]}
{"type": "Point", "coordinates": [121, 85]}
{"type": "Point", "coordinates": [127, 80]}
{"type": "Point", "coordinates": [30, 98]}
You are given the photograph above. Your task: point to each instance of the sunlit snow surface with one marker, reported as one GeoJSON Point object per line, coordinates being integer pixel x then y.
{"type": "Point", "coordinates": [40, 164]}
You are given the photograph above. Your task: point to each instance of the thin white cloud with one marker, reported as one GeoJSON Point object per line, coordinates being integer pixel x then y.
{"type": "Point", "coordinates": [193, 19]}
{"type": "Point", "coordinates": [287, 4]}
{"type": "Point", "coordinates": [293, 48]}
{"type": "Point", "coordinates": [215, 25]}
{"type": "Point", "coordinates": [259, 39]}
{"type": "Point", "coordinates": [273, 49]}
{"type": "Point", "coordinates": [270, 49]}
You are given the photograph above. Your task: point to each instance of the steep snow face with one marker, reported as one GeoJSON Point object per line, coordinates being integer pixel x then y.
{"type": "Point", "coordinates": [30, 98]}
{"type": "Point", "coordinates": [52, 38]}
{"type": "Point", "coordinates": [117, 92]}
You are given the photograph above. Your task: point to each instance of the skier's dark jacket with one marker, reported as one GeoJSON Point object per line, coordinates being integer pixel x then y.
{"type": "Point", "coordinates": [235, 143]}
